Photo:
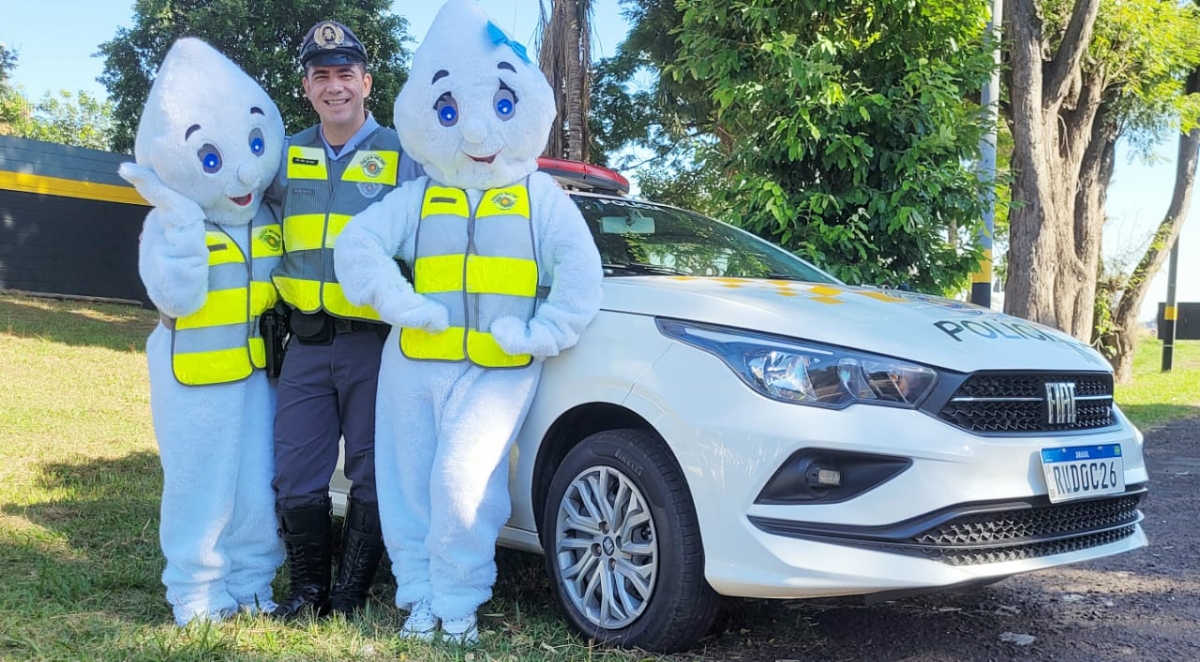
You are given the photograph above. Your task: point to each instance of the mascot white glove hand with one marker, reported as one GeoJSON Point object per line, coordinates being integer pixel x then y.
{"type": "Point", "coordinates": [516, 337]}
{"type": "Point", "coordinates": [176, 209]}
{"type": "Point", "coordinates": [417, 312]}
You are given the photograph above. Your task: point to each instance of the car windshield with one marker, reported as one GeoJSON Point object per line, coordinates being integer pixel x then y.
{"type": "Point", "coordinates": [638, 238]}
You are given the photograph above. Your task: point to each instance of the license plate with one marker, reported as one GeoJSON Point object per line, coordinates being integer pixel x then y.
{"type": "Point", "coordinates": [1077, 472]}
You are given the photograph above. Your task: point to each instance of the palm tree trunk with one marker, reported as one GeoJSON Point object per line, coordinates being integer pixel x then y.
{"type": "Point", "coordinates": [565, 59]}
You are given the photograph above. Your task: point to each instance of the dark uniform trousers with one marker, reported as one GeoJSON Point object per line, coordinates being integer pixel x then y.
{"type": "Point", "coordinates": [320, 385]}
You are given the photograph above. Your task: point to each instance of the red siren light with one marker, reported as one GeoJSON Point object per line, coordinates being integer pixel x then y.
{"type": "Point", "coordinates": [584, 176]}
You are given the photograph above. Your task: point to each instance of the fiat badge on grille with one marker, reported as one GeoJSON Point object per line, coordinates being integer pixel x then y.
{"type": "Point", "coordinates": [1060, 403]}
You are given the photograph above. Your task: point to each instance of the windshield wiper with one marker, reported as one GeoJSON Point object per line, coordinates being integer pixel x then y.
{"type": "Point", "coordinates": [639, 269]}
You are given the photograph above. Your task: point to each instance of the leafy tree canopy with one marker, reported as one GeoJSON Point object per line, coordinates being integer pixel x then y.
{"type": "Point", "coordinates": [81, 120]}
{"type": "Point", "coordinates": [13, 106]}
{"type": "Point", "coordinates": [261, 36]}
{"type": "Point", "coordinates": [845, 131]}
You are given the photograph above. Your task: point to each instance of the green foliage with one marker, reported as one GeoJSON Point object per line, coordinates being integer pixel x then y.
{"type": "Point", "coordinates": [14, 107]}
{"type": "Point", "coordinates": [82, 121]}
{"type": "Point", "coordinates": [686, 177]}
{"type": "Point", "coordinates": [8, 62]}
{"type": "Point", "coordinates": [1144, 50]}
{"type": "Point", "coordinates": [851, 133]}
{"type": "Point", "coordinates": [844, 131]}
{"type": "Point", "coordinates": [261, 36]}
{"type": "Point", "coordinates": [621, 116]}
{"type": "Point", "coordinates": [67, 119]}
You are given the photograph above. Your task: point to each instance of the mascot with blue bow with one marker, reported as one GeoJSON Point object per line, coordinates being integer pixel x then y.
{"type": "Point", "coordinates": [208, 144]}
{"type": "Point", "coordinates": [505, 274]}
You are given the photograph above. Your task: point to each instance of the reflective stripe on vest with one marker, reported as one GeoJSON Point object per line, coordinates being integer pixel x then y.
{"type": "Point", "coordinates": [322, 196]}
{"type": "Point", "coordinates": [221, 342]}
{"type": "Point", "coordinates": [478, 263]}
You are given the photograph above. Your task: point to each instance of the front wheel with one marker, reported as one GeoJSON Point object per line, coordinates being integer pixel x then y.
{"type": "Point", "coordinates": [623, 547]}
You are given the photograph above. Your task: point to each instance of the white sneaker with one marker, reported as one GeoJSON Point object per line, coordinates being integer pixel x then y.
{"type": "Point", "coordinates": [421, 624]}
{"type": "Point", "coordinates": [463, 631]}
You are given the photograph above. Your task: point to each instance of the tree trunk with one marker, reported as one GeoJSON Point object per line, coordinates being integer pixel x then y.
{"type": "Point", "coordinates": [1053, 223]}
{"type": "Point", "coordinates": [551, 61]}
{"type": "Point", "coordinates": [575, 69]}
{"type": "Point", "coordinates": [565, 59]}
{"type": "Point", "coordinates": [1095, 174]}
{"type": "Point", "coordinates": [1118, 344]}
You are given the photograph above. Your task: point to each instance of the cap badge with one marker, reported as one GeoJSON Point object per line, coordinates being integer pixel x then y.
{"type": "Point", "coordinates": [329, 35]}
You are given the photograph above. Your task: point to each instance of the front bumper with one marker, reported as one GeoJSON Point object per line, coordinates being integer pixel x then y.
{"type": "Point", "coordinates": [730, 442]}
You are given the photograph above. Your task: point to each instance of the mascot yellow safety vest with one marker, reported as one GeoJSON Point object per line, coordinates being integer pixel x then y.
{"type": "Point", "coordinates": [321, 197]}
{"type": "Point", "coordinates": [221, 342]}
{"type": "Point", "coordinates": [480, 264]}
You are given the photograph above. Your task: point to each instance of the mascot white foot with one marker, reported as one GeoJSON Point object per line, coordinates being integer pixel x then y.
{"type": "Point", "coordinates": [505, 274]}
{"type": "Point", "coordinates": [207, 146]}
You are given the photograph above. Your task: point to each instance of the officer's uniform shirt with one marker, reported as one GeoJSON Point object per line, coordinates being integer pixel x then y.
{"type": "Point", "coordinates": [407, 168]}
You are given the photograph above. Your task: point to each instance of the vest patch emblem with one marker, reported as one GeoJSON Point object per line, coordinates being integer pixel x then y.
{"type": "Point", "coordinates": [369, 189]}
{"type": "Point", "coordinates": [504, 201]}
{"type": "Point", "coordinates": [271, 238]}
{"type": "Point", "coordinates": [372, 165]}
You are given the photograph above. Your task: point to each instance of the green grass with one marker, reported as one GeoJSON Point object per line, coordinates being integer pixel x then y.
{"type": "Point", "coordinates": [1156, 397]}
{"type": "Point", "coordinates": [79, 554]}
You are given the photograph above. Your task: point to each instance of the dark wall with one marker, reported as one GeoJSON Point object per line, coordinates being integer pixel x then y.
{"type": "Point", "coordinates": [68, 223]}
{"type": "Point", "coordinates": [1187, 321]}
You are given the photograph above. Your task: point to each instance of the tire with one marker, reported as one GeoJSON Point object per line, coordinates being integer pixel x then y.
{"type": "Point", "coordinates": [657, 541]}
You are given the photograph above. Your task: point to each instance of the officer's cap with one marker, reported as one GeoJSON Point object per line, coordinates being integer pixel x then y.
{"type": "Point", "coordinates": [330, 43]}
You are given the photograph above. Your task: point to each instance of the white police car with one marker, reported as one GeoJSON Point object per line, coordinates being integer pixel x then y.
{"type": "Point", "coordinates": [737, 422]}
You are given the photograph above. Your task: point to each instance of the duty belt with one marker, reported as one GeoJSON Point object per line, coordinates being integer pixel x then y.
{"type": "Point", "coordinates": [350, 326]}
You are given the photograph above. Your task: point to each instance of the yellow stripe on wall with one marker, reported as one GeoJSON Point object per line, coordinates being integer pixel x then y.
{"type": "Point", "coordinates": [69, 188]}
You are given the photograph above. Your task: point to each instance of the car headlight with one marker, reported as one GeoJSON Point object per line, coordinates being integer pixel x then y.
{"type": "Point", "coordinates": [807, 373]}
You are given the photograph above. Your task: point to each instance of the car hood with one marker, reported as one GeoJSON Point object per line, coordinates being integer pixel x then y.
{"type": "Point", "coordinates": [918, 327]}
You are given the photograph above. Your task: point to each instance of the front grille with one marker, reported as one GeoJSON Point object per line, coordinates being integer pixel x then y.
{"type": "Point", "coordinates": [1017, 403]}
{"type": "Point", "coordinates": [1030, 551]}
{"type": "Point", "coordinates": [991, 532]}
{"type": "Point", "coordinates": [1037, 522]}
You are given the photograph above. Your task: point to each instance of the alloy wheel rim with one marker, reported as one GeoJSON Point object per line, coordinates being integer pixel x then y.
{"type": "Point", "coordinates": [607, 547]}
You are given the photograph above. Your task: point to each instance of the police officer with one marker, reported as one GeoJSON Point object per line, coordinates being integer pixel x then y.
{"type": "Point", "coordinates": [327, 385]}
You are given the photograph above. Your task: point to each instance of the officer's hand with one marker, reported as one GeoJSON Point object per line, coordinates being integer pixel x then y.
{"type": "Point", "coordinates": [177, 209]}
{"type": "Point", "coordinates": [428, 316]}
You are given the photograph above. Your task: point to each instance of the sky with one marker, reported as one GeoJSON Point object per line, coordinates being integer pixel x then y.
{"type": "Point", "coordinates": [57, 39]}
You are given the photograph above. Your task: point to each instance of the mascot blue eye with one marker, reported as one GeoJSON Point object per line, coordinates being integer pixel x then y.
{"type": "Point", "coordinates": [505, 103]}
{"type": "Point", "coordinates": [447, 110]}
{"type": "Point", "coordinates": [257, 144]}
{"type": "Point", "coordinates": [210, 158]}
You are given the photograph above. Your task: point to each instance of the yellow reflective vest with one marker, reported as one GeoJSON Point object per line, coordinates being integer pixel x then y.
{"type": "Point", "coordinates": [221, 342]}
{"type": "Point", "coordinates": [322, 195]}
{"type": "Point", "coordinates": [480, 264]}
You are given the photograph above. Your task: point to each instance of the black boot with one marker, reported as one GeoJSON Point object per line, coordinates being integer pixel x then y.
{"type": "Point", "coordinates": [305, 532]}
{"type": "Point", "coordinates": [362, 547]}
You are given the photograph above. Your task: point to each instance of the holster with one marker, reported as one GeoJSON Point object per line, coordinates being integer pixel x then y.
{"type": "Point", "coordinates": [274, 327]}
{"type": "Point", "coordinates": [312, 328]}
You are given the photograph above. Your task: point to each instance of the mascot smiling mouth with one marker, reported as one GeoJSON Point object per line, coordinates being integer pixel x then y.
{"type": "Point", "coordinates": [483, 159]}
{"type": "Point", "coordinates": [244, 200]}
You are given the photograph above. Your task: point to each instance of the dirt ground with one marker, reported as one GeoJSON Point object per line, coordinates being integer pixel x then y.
{"type": "Point", "coordinates": [1143, 605]}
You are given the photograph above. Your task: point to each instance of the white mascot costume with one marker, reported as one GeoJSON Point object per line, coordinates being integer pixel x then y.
{"type": "Point", "coordinates": [505, 273]}
{"type": "Point", "coordinates": [207, 146]}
